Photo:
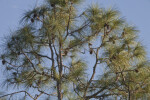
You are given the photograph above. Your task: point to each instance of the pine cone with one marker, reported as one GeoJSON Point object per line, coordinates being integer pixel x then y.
{"type": "Point", "coordinates": [3, 62]}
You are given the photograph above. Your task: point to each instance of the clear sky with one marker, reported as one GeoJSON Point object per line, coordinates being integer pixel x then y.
{"type": "Point", "coordinates": [136, 12]}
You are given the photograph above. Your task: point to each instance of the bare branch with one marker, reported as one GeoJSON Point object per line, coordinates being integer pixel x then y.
{"type": "Point", "coordinates": [17, 93]}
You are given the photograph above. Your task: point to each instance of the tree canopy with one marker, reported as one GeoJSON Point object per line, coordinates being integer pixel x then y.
{"type": "Point", "coordinates": [62, 53]}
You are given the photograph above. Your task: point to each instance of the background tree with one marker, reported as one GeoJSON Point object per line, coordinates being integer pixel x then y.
{"type": "Point", "coordinates": [47, 54]}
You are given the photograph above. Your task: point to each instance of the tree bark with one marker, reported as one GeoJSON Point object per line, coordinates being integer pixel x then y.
{"type": "Point", "coordinates": [60, 68]}
{"type": "Point", "coordinates": [59, 90]}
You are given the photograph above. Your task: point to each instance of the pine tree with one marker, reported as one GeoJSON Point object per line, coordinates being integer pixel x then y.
{"type": "Point", "coordinates": [56, 47]}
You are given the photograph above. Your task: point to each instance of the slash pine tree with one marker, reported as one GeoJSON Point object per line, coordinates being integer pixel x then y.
{"type": "Point", "coordinates": [61, 53]}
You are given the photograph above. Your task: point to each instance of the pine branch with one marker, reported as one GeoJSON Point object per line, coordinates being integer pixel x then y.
{"type": "Point", "coordinates": [68, 24]}
{"type": "Point", "coordinates": [17, 93]}
{"type": "Point", "coordinates": [30, 61]}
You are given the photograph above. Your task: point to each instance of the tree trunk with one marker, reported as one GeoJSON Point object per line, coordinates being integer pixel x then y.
{"type": "Point", "coordinates": [129, 96]}
{"type": "Point", "coordinates": [60, 67]}
{"type": "Point", "coordinates": [59, 95]}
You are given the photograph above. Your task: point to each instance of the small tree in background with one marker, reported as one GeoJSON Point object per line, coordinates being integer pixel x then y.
{"type": "Point", "coordinates": [56, 47]}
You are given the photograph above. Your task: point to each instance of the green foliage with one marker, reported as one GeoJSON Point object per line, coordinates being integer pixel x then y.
{"type": "Point", "coordinates": [66, 55]}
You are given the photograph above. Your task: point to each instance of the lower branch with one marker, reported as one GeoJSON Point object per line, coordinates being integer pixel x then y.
{"type": "Point", "coordinates": [16, 93]}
